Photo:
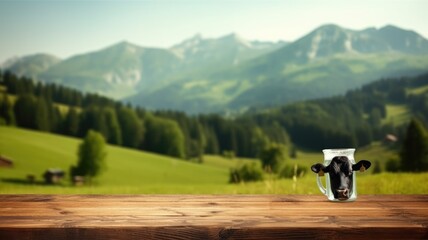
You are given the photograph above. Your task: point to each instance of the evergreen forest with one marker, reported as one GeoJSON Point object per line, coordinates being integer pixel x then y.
{"type": "Point", "coordinates": [355, 119]}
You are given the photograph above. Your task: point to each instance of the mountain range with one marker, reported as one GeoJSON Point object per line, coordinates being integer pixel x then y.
{"type": "Point", "coordinates": [231, 73]}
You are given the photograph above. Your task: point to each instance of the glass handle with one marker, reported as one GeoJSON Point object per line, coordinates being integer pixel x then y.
{"type": "Point", "coordinates": [320, 186]}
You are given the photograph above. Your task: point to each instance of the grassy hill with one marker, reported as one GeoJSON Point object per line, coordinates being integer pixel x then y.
{"type": "Point", "coordinates": [138, 172]}
{"type": "Point", "coordinates": [33, 152]}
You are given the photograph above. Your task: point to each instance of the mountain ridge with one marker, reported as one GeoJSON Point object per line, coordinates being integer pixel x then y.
{"type": "Point", "coordinates": [306, 68]}
{"type": "Point", "coordinates": [215, 74]}
{"type": "Point", "coordinates": [31, 65]}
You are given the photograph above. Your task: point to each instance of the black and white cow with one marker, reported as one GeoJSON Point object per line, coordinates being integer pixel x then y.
{"type": "Point", "coordinates": [341, 170]}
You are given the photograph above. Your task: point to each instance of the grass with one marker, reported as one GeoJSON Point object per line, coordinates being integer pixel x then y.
{"type": "Point", "coordinates": [33, 152]}
{"type": "Point", "coordinates": [418, 90]}
{"type": "Point", "coordinates": [222, 162]}
{"type": "Point", "coordinates": [137, 172]}
{"type": "Point", "coordinates": [376, 152]}
{"type": "Point", "coordinates": [396, 114]}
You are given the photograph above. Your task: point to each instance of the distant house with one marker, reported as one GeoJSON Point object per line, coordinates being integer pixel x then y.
{"type": "Point", "coordinates": [5, 162]}
{"type": "Point", "coordinates": [390, 138]}
{"type": "Point", "coordinates": [78, 180]}
{"type": "Point", "coordinates": [53, 176]}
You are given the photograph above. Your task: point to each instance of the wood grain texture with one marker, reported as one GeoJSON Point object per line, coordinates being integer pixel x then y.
{"type": "Point", "coordinates": [60, 217]}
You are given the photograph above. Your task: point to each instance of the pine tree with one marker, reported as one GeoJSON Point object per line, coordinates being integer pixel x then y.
{"type": "Point", "coordinates": [115, 133]}
{"type": "Point", "coordinates": [364, 135]}
{"type": "Point", "coordinates": [42, 115]}
{"type": "Point", "coordinates": [25, 111]}
{"type": "Point", "coordinates": [375, 117]}
{"type": "Point", "coordinates": [55, 117]}
{"type": "Point", "coordinates": [71, 123]}
{"type": "Point", "coordinates": [93, 118]}
{"type": "Point", "coordinates": [259, 141]}
{"type": "Point", "coordinates": [196, 140]}
{"type": "Point", "coordinates": [212, 142]}
{"type": "Point", "coordinates": [174, 139]}
{"type": "Point", "coordinates": [132, 127]}
{"type": "Point", "coordinates": [164, 136]}
{"type": "Point", "coordinates": [6, 110]}
{"type": "Point", "coordinates": [414, 151]}
{"type": "Point", "coordinates": [11, 82]}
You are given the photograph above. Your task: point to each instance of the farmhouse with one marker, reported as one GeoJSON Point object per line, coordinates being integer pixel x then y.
{"type": "Point", "coordinates": [78, 180]}
{"type": "Point", "coordinates": [53, 176]}
{"type": "Point", "coordinates": [391, 138]}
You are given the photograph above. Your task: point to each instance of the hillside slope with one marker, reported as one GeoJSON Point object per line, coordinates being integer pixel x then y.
{"type": "Point", "coordinates": [33, 152]}
{"type": "Point", "coordinates": [123, 69]}
{"type": "Point", "coordinates": [134, 172]}
{"type": "Point", "coordinates": [31, 66]}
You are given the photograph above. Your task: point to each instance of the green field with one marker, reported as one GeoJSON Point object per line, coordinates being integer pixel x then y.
{"type": "Point", "coordinates": [137, 172]}
{"type": "Point", "coordinates": [397, 114]}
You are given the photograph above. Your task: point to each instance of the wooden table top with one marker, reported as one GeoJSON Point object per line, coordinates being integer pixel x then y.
{"type": "Point", "coordinates": [94, 217]}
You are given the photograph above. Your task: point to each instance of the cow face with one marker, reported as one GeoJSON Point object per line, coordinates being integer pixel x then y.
{"type": "Point", "coordinates": [340, 171]}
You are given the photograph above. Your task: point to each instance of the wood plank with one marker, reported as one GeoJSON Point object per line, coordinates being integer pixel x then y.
{"type": "Point", "coordinates": [200, 198]}
{"type": "Point", "coordinates": [212, 217]}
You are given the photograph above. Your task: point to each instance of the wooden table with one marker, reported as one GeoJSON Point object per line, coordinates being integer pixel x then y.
{"type": "Point", "coordinates": [57, 217]}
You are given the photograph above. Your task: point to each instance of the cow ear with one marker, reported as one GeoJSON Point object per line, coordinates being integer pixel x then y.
{"type": "Point", "coordinates": [318, 167]}
{"type": "Point", "coordinates": [361, 165]}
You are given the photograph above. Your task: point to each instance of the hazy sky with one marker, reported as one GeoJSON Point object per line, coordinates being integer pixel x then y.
{"type": "Point", "coordinates": [67, 27]}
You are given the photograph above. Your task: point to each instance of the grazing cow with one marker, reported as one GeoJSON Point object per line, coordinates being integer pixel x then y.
{"type": "Point", "coordinates": [341, 171]}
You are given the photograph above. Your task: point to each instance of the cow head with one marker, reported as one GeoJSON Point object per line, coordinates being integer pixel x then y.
{"type": "Point", "coordinates": [341, 170]}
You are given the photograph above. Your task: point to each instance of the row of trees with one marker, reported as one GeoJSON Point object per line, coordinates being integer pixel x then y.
{"type": "Point", "coordinates": [274, 159]}
{"type": "Point", "coordinates": [51, 92]}
{"type": "Point", "coordinates": [355, 119]}
{"type": "Point", "coordinates": [166, 132]}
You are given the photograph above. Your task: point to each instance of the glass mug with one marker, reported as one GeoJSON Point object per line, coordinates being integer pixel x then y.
{"type": "Point", "coordinates": [338, 169]}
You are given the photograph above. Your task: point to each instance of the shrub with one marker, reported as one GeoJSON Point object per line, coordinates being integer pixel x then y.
{"type": "Point", "coordinates": [246, 173]}
{"type": "Point", "coordinates": [229, 154]}
{"type": "Point", "coordinates": [289, 170]}
{"type": "Point", "coordinates": [376, 168]}
{"type": "Point", "coordinates": [392, 165]}
{"type": "Point", "coordinates": [272, 156]}
{"type": "Point", "coordinates": [414, 150]}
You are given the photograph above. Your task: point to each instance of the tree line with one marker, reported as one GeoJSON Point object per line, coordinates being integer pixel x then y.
{"type": "Point", "coordinates": [353, 120]}
{"type": "Point", "coordinates": [52, 108]}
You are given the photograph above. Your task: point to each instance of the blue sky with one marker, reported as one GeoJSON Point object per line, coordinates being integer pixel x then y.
{"type": "Point", "coordinates": [67, 27]}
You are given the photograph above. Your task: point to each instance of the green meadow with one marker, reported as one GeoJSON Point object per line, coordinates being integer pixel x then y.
{"type": "Point", "coordinates": [138, 172]}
